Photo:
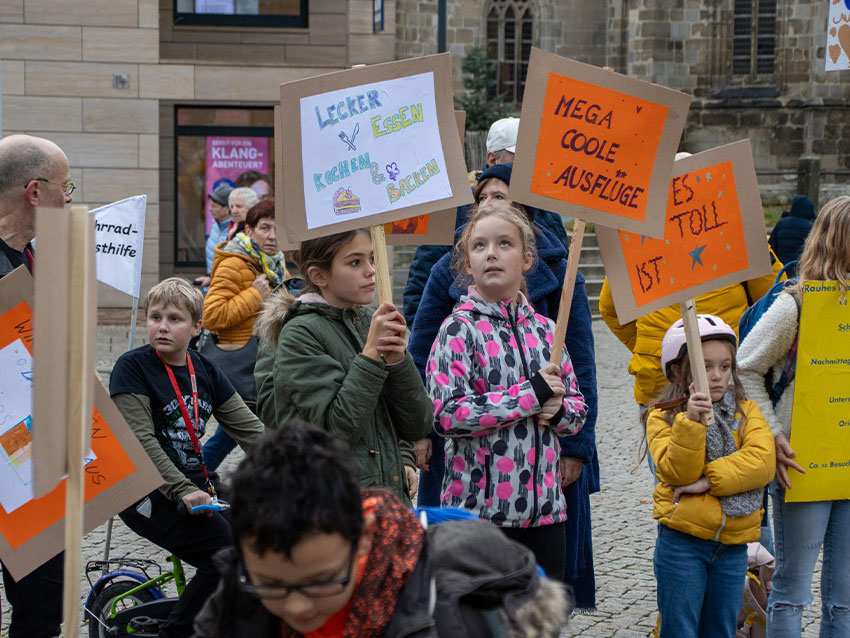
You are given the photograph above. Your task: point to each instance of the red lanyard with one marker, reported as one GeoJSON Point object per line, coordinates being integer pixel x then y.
{"type": "Point", "coordinates": [185, 412]}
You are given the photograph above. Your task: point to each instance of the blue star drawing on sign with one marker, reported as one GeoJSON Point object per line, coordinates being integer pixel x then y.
{"type": "Point", "coordinates": [708, 177]}
{"type": "Point", "coordinates": [696, 255]}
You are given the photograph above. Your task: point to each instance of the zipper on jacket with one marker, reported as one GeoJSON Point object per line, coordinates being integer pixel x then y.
{"type": "Point", "coordinates": [535, 504]}
{"type": "Point", "coordinates": [722, 526]}
{"type": "Point", "coordinates": [487, 476]}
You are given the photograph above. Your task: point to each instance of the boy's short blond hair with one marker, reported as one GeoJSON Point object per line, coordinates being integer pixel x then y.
{"type": "Point", "coordinates": [177, 292]}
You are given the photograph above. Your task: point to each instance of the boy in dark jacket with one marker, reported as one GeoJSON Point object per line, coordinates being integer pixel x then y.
{"type": "Point", "coordinates": [167, 394]}
{"type": "Point", "coordinates": [316, 556]}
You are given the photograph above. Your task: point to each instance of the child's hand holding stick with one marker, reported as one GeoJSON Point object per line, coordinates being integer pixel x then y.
{"type": "Point", "coordinates": [387, 338]}
{"type": "Point", "coordinates": [551, 373]}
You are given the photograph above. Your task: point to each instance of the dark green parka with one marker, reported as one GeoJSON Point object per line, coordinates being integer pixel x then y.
{"type": "Point", "coordinates": [310, 367]}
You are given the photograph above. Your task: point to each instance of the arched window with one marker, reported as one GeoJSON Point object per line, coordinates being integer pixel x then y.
{"type": "Point", "coordinates": [509, 39]}
{"type": "Point", "coordinates": [754, 37]}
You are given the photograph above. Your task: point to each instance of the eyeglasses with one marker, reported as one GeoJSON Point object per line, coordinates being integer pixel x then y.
{"type": "Point", "coordinates": [312, 590]}
{"type": "Point", "coordinates": [69, 187]}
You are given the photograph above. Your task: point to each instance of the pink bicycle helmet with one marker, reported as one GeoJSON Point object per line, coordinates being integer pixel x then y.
{"type": "Point", "coordinates": [675, 344]}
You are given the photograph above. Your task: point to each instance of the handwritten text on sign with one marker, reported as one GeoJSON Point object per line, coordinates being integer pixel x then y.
{"type": "Point", "coordinates": [820, 419]}
{"type": "Point", "coordinates": [22, 516]}
{"type": "Point", "coordinates": [596, 147]}
{"type": "Point", "coordinates": [704, 237]}
{"type": "Point", "coordinates": [370, 149]}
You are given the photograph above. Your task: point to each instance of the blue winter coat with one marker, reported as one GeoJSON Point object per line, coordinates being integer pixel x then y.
{"type": "Point", "coordinates": [791, 230]}
{"type": "Point", "coordinates": [439, 297]}
{"type": "Point", "coordinates": [426, 256]}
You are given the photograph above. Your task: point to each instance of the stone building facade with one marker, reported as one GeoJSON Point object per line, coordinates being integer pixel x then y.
{"type": "Point", "coordinates": [105, 78]}
{"type": "Point", "coordinates": [755, 69]}
{"type": "Point", "coordinates": [109, 80]}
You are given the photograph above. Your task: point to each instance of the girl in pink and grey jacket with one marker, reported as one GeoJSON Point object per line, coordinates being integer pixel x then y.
{"type": "Point", "coordinates": [490, 381]}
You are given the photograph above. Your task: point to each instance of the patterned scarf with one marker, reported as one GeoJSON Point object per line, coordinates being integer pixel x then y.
{"type": "Point", "coordinates": [274, 266]}
{"type": "Point", "coordinates": [720, 442]}
{"type": "Point", "coordinates": [397, 542]}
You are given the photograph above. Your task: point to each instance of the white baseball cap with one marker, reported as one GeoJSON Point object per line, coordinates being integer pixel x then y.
{"type": "Point", "coordinates": [502, 135]}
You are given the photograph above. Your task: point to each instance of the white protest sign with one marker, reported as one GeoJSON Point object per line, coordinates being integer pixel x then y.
{"type": "Point", "coordinates": [119, 237]}
{"type": "Point", "coordinates": [370, 149]}
{"type": "Point", "coordinates": [837, 56]}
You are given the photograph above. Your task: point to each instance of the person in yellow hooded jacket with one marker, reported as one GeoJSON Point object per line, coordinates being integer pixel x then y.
{"type": "Point", "coordinates": [708, 500]}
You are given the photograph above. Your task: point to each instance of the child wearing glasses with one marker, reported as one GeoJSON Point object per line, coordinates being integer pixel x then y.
{"type": "Point", "coordinates": [317, 556]}
{"type": "Point", "coordinates": [167, 396]}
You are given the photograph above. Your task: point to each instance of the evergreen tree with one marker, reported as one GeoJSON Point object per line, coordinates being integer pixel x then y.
{"type": "Point", "coordinates": [479, 78]}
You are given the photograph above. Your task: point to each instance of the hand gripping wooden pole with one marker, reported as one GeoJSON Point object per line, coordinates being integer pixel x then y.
{"type": "Point", "coordinates": [567, 296]}
{"type": "Point", "coordinates": [697, 361]}
{"type": "Point", "coordinates": [382, 265]}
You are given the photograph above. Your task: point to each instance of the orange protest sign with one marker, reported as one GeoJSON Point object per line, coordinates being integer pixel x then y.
{"type": "Point", "coordinates": [714, 235]}
{"type": "Point", "coordinates": [436, 228]}
{"type": "Point", "coordinates": [596, 145]}
{"type": "Point", "coordinates": [117, 471]}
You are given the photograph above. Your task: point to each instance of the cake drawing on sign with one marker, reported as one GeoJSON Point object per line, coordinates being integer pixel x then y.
{"type": "Point", "coordinates": [345, 202]}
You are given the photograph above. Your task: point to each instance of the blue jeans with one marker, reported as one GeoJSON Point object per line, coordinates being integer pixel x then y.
{"type": "Point", "coordinates": [801, 529]}
{"type": "Point", "coordinates": [700, 585]}
{"type": "Point", "coordinates": [216, 449]}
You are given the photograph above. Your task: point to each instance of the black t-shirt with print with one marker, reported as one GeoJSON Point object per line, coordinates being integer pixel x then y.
{"type": "Point", "coordinates": [140, 371]}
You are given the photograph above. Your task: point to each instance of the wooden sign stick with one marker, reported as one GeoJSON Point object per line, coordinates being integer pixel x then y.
{"type": "Point", "coordinates": [567, 295]}
{"type": "Point", "coordinates": [80, 402]}
{"type": "Point", "coordinates": [697, 362]}
{"type": "Point", "coordinates": [382, 265]}
{"type": "Point", "coordinates": [379, 250]}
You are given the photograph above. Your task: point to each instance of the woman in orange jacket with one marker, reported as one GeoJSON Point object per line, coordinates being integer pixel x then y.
{"type": "Point", "coordinates": [245, 270]}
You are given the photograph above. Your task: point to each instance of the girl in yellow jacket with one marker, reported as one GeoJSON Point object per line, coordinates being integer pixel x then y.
{"type": "Point", "coordinates": [709, 495]}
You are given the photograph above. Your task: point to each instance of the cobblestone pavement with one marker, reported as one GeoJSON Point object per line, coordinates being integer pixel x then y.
{"type": "Point", "coordinates": [624, 532]}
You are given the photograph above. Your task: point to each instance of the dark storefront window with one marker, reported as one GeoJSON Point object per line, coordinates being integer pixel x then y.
{"type": "Point", "coordinates": [215, 146]}
{"type": "Point", "coordinates": [242, 13]}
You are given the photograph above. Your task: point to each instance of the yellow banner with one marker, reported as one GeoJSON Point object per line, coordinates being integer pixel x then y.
{"type": "Point", "coordinates": [820, 424]}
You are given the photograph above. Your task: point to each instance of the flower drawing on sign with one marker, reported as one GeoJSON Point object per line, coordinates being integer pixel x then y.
{"type": "Point", "coordinates": [393, 170]}
{"type": "Point", "coordinates": [345, 202]}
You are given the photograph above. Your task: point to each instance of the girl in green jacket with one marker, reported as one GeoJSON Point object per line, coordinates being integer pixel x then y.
{"type": "Point", "coordinates": [328, 359]}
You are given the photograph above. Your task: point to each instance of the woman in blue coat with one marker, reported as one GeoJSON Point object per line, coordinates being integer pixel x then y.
{"type": "Point", "coordinates": [579, 463]}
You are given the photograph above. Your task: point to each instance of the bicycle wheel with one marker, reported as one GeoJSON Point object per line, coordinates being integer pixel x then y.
{"type": "Point", "coordinates": [101, 604]}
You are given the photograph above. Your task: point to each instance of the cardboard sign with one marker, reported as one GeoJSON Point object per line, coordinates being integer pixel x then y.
{"type": "Point", "coordinates": [820, 418]}
{"type": "Point", "coordinates": [837, 56]}
{"type": "Point", "coordinates": [596, 145]}
{"type": "Point", "coordinates": [714, 236]}
{"type": "Point", "coordinates": [119, 235]}
{"type": "Point", "coordinates": [369, 146]}
{"type": "Point", "coordinates": [436, 228]}
{"type": "Point", "coordinates": [118, 470]}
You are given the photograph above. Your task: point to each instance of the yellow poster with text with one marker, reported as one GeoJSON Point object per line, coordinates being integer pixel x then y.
{"type": "Point", "coordinates": [820, 423]}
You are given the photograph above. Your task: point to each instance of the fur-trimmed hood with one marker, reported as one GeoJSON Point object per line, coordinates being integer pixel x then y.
{"type": "Point", "coordinates": [275, 310]}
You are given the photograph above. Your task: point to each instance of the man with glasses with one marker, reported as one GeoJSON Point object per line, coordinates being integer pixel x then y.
{"type": "Point", "coordinates": [33, 172]}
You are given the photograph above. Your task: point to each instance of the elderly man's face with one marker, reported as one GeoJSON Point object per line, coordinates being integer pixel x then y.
{"type": "Point", "coordinates": [52, 195]}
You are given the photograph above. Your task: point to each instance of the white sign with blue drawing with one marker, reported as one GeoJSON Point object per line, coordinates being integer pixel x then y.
{"type": "Point", "coordinates": [370, 145]}
{"type": "Point", "coordinates": [371, 148]}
